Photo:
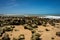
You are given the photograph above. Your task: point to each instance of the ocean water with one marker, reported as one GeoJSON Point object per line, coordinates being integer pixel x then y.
{"type": "Point", "coordinates": [54, 16]}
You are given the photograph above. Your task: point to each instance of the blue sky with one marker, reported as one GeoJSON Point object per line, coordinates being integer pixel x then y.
{"type": "Point", "coordinates": [29, 6]}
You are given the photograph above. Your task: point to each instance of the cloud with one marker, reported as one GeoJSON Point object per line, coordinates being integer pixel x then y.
{"type": "Point", "coordinates": [11, 4]}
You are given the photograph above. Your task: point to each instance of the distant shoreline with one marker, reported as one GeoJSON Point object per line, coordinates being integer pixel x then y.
{"type": "Point", "coordinates": [29, 14]}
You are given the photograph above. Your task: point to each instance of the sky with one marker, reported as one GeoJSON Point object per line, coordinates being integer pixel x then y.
{"type": "Point", "coordinates": [30, 7]}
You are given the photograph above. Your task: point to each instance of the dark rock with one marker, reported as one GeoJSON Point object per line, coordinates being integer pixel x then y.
{"type": "Point", "coordinates": [34, 26]}
{"type": "Point", "coordinates": [14, 39]}
{"type": "Point", "coordinates": [52, 38]}
{"type": "Point", "coordinates": [58, 34]}
{"type": "Point", "coordinates": [12, 26]}
{"type": "Point", "coordinates": [28, 27]}
{"type": "Point", "coordinates": [36, 36]}
{"type": "Point", "coordinates": [21, 37]}
{"type": "Point", "coordinates": [8, 28]}
{"type": "Point", "coordinates": [47, 29]}
{"type": "Point", "coordinates": [5, 37]}
{"type": "Point", "coordinates": [33, 31]}
{"type": "Point", "coordinates": [1, 31]}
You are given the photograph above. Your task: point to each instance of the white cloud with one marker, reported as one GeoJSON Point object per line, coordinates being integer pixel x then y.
{"type": "Point", "coordinates": [10, 4]}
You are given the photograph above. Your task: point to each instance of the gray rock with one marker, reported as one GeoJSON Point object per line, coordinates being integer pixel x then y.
{"type": "Point", "coordinates": [1, 31]}
{"type": "Point", "coordinates": [21, 37]}
{"type": "Point", "coordinates": [36, 36]}
{"type": "Point", "coordinates": [5, 37]}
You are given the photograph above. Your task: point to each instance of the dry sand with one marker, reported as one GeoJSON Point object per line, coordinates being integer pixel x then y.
{"type": "Point", "coordinates": [45, 35]}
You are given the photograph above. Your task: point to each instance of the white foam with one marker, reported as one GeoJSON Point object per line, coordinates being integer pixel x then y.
{"type": "Point", "coordinates": [52, 17]}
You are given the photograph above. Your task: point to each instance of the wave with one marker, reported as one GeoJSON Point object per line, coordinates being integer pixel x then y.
{"type": "Point", "coordinates": [52, 17]}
